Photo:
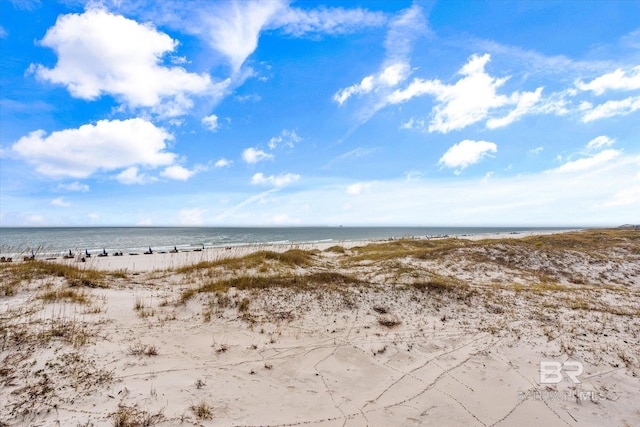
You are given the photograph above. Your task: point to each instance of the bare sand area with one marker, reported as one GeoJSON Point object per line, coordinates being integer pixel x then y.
{"type": "Point", "coordinates": [528, 331]}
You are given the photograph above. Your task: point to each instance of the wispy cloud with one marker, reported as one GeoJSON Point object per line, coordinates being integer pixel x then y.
{"type": "Point", "coordinates": [403, 31]}
{"type": "Point", "coordinates": [275, 180]}
{"type": "Point", "coordinates": [326, 20]}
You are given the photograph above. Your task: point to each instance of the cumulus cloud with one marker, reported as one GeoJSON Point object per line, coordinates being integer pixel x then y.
{"type": "Point", "coordinates": [60, 202]}
{"type": "Point", "coordinates": [600, 142]}
{"type": "Point", "coordinates": [287, 138]}
{"type": "Point", "coordinates": [253, 155]}
{"type": "Point", "coordinates": [132, 176]}
{"type": "Point", "coordinates": [178, 172]}
{"type": "Point", "coordinates": [467, 153]}
{"type": "Point", "coordinates": [616, 80]}
{"type": "Point", "coordinates": [107, 145]}
{"type": "Point", "coordinates": [470, 99]}
{"type": "Point", "coordinates": [211, 122]}
{"type": "Point", "coordinates": [275, 180]}
{"type": "Point", "coordinates": [102, 53]}
{"type": "Point", "coordinates": [388, 77]}
{"type": "Point", "coordinates": [223, 163]}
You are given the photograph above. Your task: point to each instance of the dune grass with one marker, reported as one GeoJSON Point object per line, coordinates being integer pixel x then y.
{"type": "Point", "coordinates": [14, 274]}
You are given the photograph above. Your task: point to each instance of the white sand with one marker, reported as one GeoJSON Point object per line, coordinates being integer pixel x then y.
{"type": "Point", "coordinates": [322, 357]}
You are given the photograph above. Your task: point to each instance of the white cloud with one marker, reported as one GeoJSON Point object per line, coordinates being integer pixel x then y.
{"type": "Point", "coordinates": [414, 123]}
{"type": "Point", "coordinates": [536, 150]}
{"type": "Point", "coordinates": [223, 163]}
{"type": "Point", "coordinates": [600, 142]}
{"type": "Point", "coordinates": [335, 20]}
{"type": "Point", "coordinates": [359, 188]}
{"type": "Point", "coordinates": [390, 76]}
{"type": "Point", "coordinates": [524, 105]}
{"type": "Point", "coordinates": [60, 202]}
{"type": "Point", "coordinates": [178, 172]}
{"type": "Point", "coordinates": [470, 99]}
{"type": "Point", "coordinates": [403, 30]}
{"type": "Point", "coordinates": [132, 176]}
{"type": "Point", "coordinates": [252, 155]}
{"type": "Point", "coordinates": [211, 122]}
{"type": "Point", "coordinates": [589, 162]}
{"type": "Point", "coordinates": [233, 28]}
{"type": "Point", "coordinates": [467, 153]}
{"type": "Point", "coordinates": [107, 145]}
{"type": "Point", "coordinates": [275, 180]}
{"type": "Point", "coordinates": [74, 186]}
{"type": "Point", "coordinates": [101, 53]}
{"type": "Point", "coordinates": [3, 33]}
{"type": "Point", "coordinates": [613, 108]}
{"type": "Point", "coordinates": [616, 80]}
{"type": "Point", "coordinates": [287, 138]}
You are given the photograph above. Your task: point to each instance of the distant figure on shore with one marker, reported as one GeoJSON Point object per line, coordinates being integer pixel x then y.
{"type": "Point", "coordinates": [30, 258]}
{"type": "Point", "coordinates": [69, 256]}
{"type": "Point", "coordinates": [104, 252]}
{"type": "Point", "coordinates": [116, 253]}
{"type": "Point", "coordinates": [175, 250]}
{"type": "Point", "coordinates": [149, 252]}
{"type": "Point", "coordinates": [87, 254]}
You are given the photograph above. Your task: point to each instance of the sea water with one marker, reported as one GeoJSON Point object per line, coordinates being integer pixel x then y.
{"type": "Point", "coordinates": [59, 240]}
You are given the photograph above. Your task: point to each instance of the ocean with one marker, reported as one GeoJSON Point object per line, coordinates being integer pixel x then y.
{"type": "Point", "coordinates": [58, 240]}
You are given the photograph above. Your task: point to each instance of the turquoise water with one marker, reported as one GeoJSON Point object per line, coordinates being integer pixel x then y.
{"type": "Point", "coordinates": [55, 241]}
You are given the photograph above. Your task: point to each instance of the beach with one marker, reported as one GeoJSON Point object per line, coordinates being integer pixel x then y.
{"type": "Point", "coordinates": [509, 329]}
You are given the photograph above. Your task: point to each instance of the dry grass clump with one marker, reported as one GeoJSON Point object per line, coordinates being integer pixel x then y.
{"type": "Point", "coordinates": [291, 258]}
{"type": "Point", "coordinates": [397, 249]}
{"type": "Point", "coordinates": [13, 274]}
{"type": "Point", "coordinates": [139, 349]}
{"type": "Point", "coordinates": [65, 294]}
{"type": "Point", "coordinates": [445, 285]}
{"type": "Point", "coordinates": [248, 282]}
{"type": "Point", "coordinates": [202, 410]}
{"type": "Point", "coordinates": [132, 416]}
{"type": "Point", "coordinates": [336, 249]}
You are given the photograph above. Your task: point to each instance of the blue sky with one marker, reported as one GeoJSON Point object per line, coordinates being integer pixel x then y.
{"type": "Point", "coordinates": [319, 113]}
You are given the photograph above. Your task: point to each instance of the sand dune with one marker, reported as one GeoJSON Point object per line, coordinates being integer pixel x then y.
{"type": "Point", "coordinates": [441, 332]}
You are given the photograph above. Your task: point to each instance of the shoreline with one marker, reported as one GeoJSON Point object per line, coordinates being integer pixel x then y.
{"type": "Point", "coordinates": [163, 259]}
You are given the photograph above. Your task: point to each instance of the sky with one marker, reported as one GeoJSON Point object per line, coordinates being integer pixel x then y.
{"type": "Point", "coordinates": [278, 113]}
